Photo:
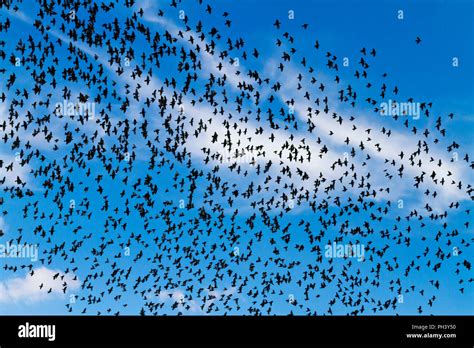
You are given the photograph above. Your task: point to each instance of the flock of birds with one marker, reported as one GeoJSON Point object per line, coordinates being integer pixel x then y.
{"type": "Point", "coordinates": [200, 186]}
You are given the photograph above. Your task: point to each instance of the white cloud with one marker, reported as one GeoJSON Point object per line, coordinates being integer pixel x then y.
{"type": "Point", "coordinates": [3, 225]}
{"type": "Point", "coordinates": [27, 289]}
{"type": "Point", "coordinates": [398, 141]}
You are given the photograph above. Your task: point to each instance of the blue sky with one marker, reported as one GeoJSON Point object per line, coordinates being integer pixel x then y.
{"type": "Point", "coordinates": [423, 72]}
